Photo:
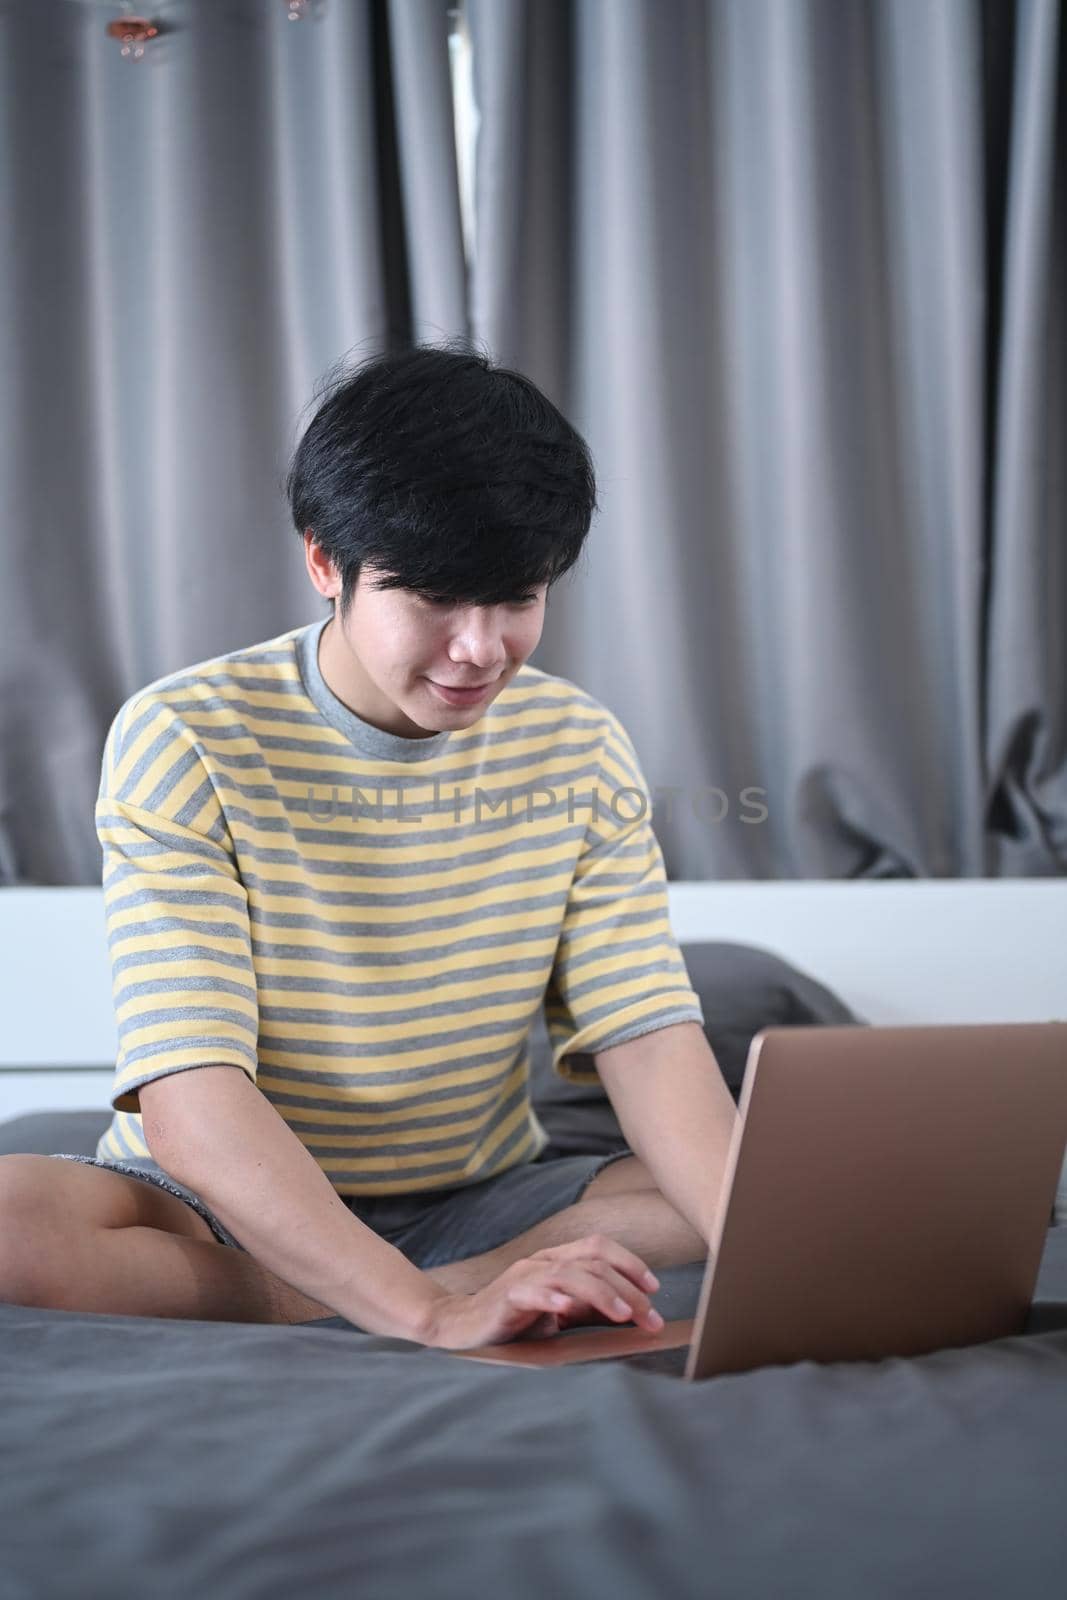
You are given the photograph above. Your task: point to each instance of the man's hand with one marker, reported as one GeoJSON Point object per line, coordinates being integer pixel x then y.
{"type": "Point", "coordinates": [586, 1280]}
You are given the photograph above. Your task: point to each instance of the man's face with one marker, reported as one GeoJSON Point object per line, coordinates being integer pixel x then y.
{"type": "Point", "coordinates": [397, 653]}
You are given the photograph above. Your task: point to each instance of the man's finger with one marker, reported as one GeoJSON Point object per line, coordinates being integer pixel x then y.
{"type": "Point", "coordinates": [611, 1251]}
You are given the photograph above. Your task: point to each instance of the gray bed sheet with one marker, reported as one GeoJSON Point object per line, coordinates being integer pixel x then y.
{"type": "Point", "coordinates": [151, 1457]}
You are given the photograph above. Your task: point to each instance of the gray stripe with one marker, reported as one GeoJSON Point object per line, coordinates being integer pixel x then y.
{"type": "Point", "coordinates": [223, 680]}
{"type": "Point", "coordinates": [590, 735]}
{"type": "Point", "coordinates": [141, 712]}
{"type": "Point", "coordinates": [352, 1050]}
{"type": "Point", "coordinates": [657, 1019]}
{"type": "Point", "coordinates": [430, 1093]}
{"type": "Point", "coordinates": [229, 930]}
{"type": "Point", "coordinates": [635, 918]}
{"type": "Point", "coordinates": [459, 1006]}
{"type": "Point", "coordinates": [188, 984]}
{"type": "Point", "coordinates": [512, 700]}
{"type": "Point", "coordinates": [576, 991]}
{"type": "Point", "coordinates": [161, 838]}
{"type": "Point", "coordinates": [150, 754]}
{"type": "Point", "coordinates": [552, 727]}
{"type": "Point", "coordinates": [199, 1013]}
{"type": "Point", "coordinates": [434, 1122]}
{"type": "Point", "coordinates": [182, 952]}
{"type": "Point", "coordinates": [282, 889]}
{"type": "Point", "coordinates": [387, 958]}
{"type": "Point", "coordinates": [624, 758]}
{"type": "Point", "coordinates": [118, 730]}
{"type": "Point", "coordinates": [181, 955]}
{"type": "Point", "coordinates": [199, 671]}
{"type": "Point", "coordinates": [196, 803]}
{"type": "Point", "coordinates": [172, 893]}
{"type": "Point", "coordinates": [397, 987]}
{"type": "Point", "coordinates": [427, 1146]}
{"type": "Point", "coordinates": [423, 833]}
{"type": "Point", "coordinates": [346, 928]}
{"type": "Point", "coordinates": [189, 710]}
{"type": "Point", "coordinates": [481, 765]}
{"type": "Point", "coordinates": [187, 759]}
{"type": "Point", "coordinates": [119, 1123]}
{"type": "Point", "coordinates": [225, 781]}
{"type": "Point", "coordinates": [622, 947]}
{"type": "Point", "coordinates": [389, 872]}
{"type": "Point", "coordinates": [205, 1042]}
{"type": "Point", "coordinates": [441, 1169]}
{"type": "Point", "coordinates": [265, 824]}
{"type": "Point", "coordinates": [330, 837]}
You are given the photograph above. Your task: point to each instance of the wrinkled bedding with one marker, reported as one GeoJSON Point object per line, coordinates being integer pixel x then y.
{"type": "Point", "coordinates": [145, 1456]}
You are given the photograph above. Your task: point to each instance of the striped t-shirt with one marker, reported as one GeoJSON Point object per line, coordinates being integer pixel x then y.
{"type": "Point", "coordinates": [367, 924]}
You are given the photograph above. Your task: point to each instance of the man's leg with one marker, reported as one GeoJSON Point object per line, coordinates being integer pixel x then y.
{"type": "Point", "coordinates": [621, 1202]}
{"type": "Point", "coordinates": [80, 1238]}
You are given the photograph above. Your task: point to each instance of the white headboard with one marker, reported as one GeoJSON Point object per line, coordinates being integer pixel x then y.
{"type": "Point", "coordinates": [942, 950]}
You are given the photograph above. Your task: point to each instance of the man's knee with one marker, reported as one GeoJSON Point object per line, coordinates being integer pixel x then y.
{"type": "Point", "coordinates": [630, 1173]}
{"type": "Point", "coordinates": [23, 1240]}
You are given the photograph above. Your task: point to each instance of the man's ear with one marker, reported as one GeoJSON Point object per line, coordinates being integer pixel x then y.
{"type": "Point", "coordinates": [322, 569]}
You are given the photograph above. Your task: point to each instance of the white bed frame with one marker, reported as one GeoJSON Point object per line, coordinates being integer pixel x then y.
{"type": "Point", "coordinates": [940, 950]}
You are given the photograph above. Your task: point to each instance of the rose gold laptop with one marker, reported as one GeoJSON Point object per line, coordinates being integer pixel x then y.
{"type": "Point", "coordinates": [887, 1193]}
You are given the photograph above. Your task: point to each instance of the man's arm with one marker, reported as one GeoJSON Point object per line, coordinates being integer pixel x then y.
{"type": "Point", "coordinates": [676, 1114]}
{"type": "Point", "coordinates": [212, 1129]}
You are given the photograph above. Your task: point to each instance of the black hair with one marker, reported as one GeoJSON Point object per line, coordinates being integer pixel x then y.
{"type": "Point", "coordinates": [450, 475]}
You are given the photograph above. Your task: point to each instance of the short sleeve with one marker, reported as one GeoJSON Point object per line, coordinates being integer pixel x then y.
{"type": "Point", "coordinates": [618, 971]}
{"type": "Point", "coordinates": [178, 931]}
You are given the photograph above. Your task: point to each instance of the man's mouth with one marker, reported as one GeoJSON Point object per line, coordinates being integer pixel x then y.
{"type": "Point", "coordinates": [461, 695]}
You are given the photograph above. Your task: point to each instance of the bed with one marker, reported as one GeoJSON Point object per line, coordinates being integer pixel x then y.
{"type": "Point", "coordinates": [164, 1457]}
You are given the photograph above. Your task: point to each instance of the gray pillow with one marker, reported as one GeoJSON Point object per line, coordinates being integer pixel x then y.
{"type": "Point", "coordinates": [47, 1133]}
{"type": "Point", "coordinates": [742, 989]}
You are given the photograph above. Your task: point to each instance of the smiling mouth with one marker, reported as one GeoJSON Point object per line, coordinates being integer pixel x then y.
{"type": "Point", "coordinates": [463, 688]}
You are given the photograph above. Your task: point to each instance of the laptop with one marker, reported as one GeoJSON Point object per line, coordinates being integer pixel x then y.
{"type": "Point", "coordinates": [887, 1192]}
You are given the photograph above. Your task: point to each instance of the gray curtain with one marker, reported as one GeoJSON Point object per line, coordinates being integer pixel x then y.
{"type": "Point", "coordinates": [798, 268]}
{"type": "Point", "coordinates": [794, 267]}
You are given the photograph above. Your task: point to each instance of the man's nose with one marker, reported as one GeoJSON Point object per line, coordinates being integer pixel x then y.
{"type": "Point", "coordinates": [480, 639]}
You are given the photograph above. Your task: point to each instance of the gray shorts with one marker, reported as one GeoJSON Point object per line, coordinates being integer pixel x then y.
{"type": "Point", "coordinates": [435, 1226]}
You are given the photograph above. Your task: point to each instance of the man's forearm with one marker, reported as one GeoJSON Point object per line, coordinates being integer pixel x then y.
{"type": "Point", "coordinates": [227, 1143]}
{"type": "Point", "coordinates": [676, 1114]}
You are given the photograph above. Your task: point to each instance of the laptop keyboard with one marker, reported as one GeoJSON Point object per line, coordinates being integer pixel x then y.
{"type": "Point", "coordinates": [669, 1362]}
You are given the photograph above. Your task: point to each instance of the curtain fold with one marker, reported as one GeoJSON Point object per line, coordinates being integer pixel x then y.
{"type": "Point", "coordinates": [1027, 661]}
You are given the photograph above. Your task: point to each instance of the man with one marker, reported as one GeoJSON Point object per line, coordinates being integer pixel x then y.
{"type": "Point", "coordinates": [343, 870]}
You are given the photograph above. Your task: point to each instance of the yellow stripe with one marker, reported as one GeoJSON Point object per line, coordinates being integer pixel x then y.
{"type": "Point", "coordinates": [186, 1056]}
{"type": "Point", "coordinates": [446, 1153]}
{"type": "Point", "coordinates": [155, 725]}
{"type": "Point", "coordinates": [352, 1118]}
{"type": "Point", "coordinates": [463, 1078]}
{"type": "Point", "coordinates": [136, 944]}
{"type": "Point", "coordinates": [162, 1033]}
{"type": "Point", "coordinates": [533, 951]}
{"type": "Point", "coordinates": [140, 1005]}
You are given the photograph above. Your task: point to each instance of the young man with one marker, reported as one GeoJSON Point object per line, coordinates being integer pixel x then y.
{"type": "Point", "coordinates": [343, 870]}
